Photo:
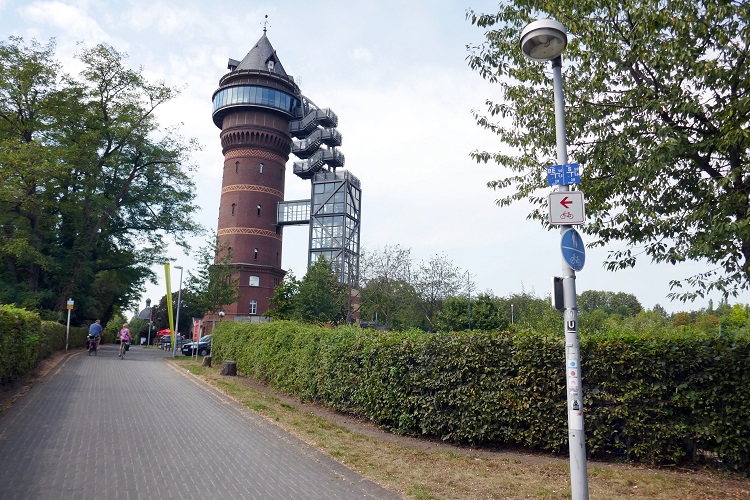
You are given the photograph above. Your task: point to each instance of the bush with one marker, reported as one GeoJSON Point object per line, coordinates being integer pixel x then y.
{"type": "Point", "coordinates": [661, 399]}
{"type": "Point", "coordinates": [25, 340]}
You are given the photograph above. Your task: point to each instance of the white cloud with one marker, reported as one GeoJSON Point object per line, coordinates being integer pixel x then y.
{"type": "Point", "coordinates": [73, 21]}
{"type": "Point", "coordinates": [361, 54]}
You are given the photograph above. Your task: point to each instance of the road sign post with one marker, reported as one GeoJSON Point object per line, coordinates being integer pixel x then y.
{"type": "Point", "coordinates": [70, 305]}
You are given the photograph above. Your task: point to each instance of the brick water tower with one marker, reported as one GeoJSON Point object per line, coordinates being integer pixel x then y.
{"type": "Point", "coordinates": [263, 118]}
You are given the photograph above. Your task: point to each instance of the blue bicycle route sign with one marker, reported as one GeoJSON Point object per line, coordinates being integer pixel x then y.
{"type": "Point", "coordinates": [573, 250]}
{"type": "Point", "coordinates": [559, 175]}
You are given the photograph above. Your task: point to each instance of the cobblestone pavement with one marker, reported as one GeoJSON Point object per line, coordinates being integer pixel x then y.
{"type": "Point", "coordinates": [97, 427]}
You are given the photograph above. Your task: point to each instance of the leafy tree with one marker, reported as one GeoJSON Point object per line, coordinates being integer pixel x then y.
{"type": "Point", "coordinates": [657, 115]}
{"type": "Point", "coordinates": [453, 317]}
{"type": "Point", "coordinates": [284, 297]}
{"type": "Point", "coordinates": [682, 319]}
{"type": "Point", "coordinates": [92, 183]}
{"type": "Point", "coordinates": [533, 312]}
{"type": "Point", "coordinates": [434, 281]}
{"type": "Point", "coordinates": [624, 304]}
{"type": "Point", "coordinates": [592, 321]}
{"type": "Point", "coordinates": [489, 312]}
{"type": "Point", "coordinates": [138, 327]}
{"type": "Point", "coordinates": [707, 322]}
{"type": "Point", "coordinates": [736, 319]}
{"type": "Point", "coordinates": [321, 297]}
{"type": "Point", "coordinates": [214, 285]}
{"type": "Point", "coordinates": [386, 283]}
{"type": "Point", "coordinates": [663, 312]}
{"type": "Point", "coordinates": [485, 313]}
{"type": "Point", "coordinates": [112, 329]}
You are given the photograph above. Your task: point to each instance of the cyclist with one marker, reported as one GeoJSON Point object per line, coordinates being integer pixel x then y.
{"type": "Point", "coordinates": [124, 337]}
{"type": "Point", "coordinates": [95, 330]}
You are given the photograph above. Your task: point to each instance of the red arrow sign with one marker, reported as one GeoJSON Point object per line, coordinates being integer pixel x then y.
{"type": "Point", "coordinates": [566, 208]}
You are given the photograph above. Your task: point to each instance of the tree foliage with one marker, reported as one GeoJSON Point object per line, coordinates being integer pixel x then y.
{"type": "Point", "coordinates": [387, 288]}
{"type": "Point", "coordinates": [434, 281]}
{"type": "Point", "coordinates": [318, 298]}
{"type": "Point", "coordinates": [214, 284]}
{"type": "Point", "coordinates": [321, 298]}
{"type": "Point", "coordinates": [624, 304]}
{"type": "Point", "coordinates": [657, 115]}
{"type": "Point", "coordinates": [284, 296]}
{"type": "Point", "coordinates": [92, 184]}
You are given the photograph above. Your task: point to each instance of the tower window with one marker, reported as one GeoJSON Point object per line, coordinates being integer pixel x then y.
{"type": "Point", "coordinates": [253, 309]}
{"type": "Point", "coordinates": [236, 167]}
{"type": "Point", "coordinates": [255, 254]}
{"type": "Point", "coordinates": [254, 281]}
{"type": "Point", "coordinates": [261, 168]}
{"type": "Point", "coordinates": [258, 209]}
{"type": "Point", "coordinates": [234, 206]}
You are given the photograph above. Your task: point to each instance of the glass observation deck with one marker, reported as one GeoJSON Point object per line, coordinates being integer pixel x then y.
{"type": "Point", "coordinates": [252, 95]}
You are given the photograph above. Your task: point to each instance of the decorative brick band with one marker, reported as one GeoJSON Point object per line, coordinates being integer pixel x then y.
{"type": "Point", "coordinates": [254, 153]}
{"type": "Point", "coordinates": [252, 187]}
{"type": "Point", "coordinates": [248, 230]}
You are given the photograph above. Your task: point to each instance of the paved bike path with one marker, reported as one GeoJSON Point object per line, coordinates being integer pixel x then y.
{"type": "Point", "coordinates": [101, 427]}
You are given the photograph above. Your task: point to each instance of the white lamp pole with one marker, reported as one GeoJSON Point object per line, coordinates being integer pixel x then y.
{"type": "Point", "coordinates": [545, 40]}
{"type": "Point", "coordinates": [177, 323]}
{"type": "Point", "coordinates": [69, 305]}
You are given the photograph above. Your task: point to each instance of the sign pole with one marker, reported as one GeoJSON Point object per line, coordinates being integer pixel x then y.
{"type": "Point", "coordinates": [69, 304]}
{"type": "Point", "coordinates": [576, 436]}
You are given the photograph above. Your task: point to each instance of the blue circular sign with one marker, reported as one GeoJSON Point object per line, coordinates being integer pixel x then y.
{"type": "Point", "coordinates": [573, 249]}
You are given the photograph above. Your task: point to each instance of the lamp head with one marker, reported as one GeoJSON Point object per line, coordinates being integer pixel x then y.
{"type": "Point", "coordinates": [543, 40]}
{"type": "Point", "coordinates": [221, 314]}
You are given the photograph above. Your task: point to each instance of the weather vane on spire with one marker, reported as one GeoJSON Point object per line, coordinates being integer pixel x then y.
{"type": "Point", "coordinates": [265, 24]}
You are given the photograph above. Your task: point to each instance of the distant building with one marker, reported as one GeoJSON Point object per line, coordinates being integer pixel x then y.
{"type": "Point", "coordinates": [264, 117]}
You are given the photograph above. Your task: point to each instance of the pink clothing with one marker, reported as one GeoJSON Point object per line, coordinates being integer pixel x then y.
{"type": "Point", "coordinates": [125, 334]}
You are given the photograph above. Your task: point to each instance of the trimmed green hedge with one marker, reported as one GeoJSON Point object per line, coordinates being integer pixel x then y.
{"type": "Point", "coordinates": [663, 399]}
{"type": "Point", "coordinates": [25, 340]}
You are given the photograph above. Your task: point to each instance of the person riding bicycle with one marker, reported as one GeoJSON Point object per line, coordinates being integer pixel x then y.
{"type": "Point", "coordinates": [124, 338]}
{"type": "Point", "coordinates": [95, 330]}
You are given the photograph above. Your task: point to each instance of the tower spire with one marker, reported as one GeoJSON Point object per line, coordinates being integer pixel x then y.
{"type": "Point", "coordinates": [265, 24]}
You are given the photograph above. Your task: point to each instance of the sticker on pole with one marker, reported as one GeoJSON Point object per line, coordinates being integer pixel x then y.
{"type": "Point", "coordinates": [573, 249]}
{"type": "Point", "coordinates": [566, 207]}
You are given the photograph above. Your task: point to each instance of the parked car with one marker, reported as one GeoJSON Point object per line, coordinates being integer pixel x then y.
{"type": "Point", "coordinates": [203, 346]}
{"type": "Point", "coordinates": [165, 342]}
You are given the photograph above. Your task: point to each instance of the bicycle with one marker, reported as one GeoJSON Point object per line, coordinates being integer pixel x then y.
{"type": "Point", "coordinates": [124, 346]}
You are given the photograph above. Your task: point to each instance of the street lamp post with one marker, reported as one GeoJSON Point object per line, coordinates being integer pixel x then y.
{"type": "Point", "coordinates": [150, 320]}
{"type": "Point", "coordinates": [511, 315]}
{"type": "Point", "coordinates": [545, 40]}
{"type": "Point", "coordinates": [177, 323]}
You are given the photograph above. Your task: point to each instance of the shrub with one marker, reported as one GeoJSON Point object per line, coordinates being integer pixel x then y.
{"type": "Point", "coordinates": [665, 398]}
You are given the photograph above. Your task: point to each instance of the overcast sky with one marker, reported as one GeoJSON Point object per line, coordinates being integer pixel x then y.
{"type": "Point", "coordinates": [395, 72]}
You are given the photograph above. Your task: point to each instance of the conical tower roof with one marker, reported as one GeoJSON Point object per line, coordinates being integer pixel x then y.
{"type": "Point", "coordinates": [260, 55]}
